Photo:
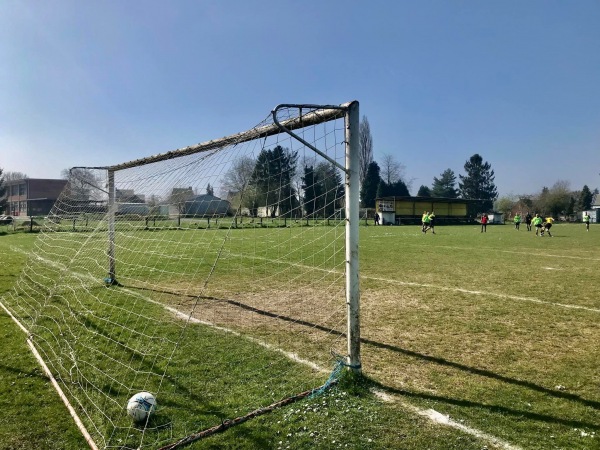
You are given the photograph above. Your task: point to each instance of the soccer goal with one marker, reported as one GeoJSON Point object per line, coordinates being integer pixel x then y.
{"type": "Point", "coordinates": [221, 278]}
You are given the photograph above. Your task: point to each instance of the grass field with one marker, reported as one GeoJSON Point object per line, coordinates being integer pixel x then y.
{"type": "Point", "coordinates": [470, 340]}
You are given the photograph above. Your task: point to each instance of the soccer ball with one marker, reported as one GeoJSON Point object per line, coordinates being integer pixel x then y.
{"type": "Point", "coordinates": [140, 406]}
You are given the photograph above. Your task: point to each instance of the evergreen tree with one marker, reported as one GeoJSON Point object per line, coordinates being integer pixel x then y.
{"type": "Point", "coordinates": [365, 148]}
{"type": "Point", "coordinates": [323, 189]}
{"type": "Point", "coordinates": [312, 190]}
{"type": "Point", "coordinates": [478, 184]}
{"type": "Point", "coordinates": [541, 200]}
{"type": "Point", "coordinates": [397, 189]}
{"type": "Point", "coordinates": [332, 188]}
{"type": "Point", "coordinates": [424, 191]}
{"type": "Point", "coordinates": [272, 179]}
{"type": "Point", "coordinates": [584, 202]}
{"type": "Point", "coordinates": [368, 190]}
{"type": "Point", "coordinates": [445, 185]}
{"type": "Point", "coordinates": [571, 207]}
{"type": "Point", "coordinates": [209, 189]}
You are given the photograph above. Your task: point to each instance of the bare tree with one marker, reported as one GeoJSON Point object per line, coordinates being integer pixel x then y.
{"type": "Point", "coordinates": [554, 201]}
{"type": "Point", "coordinates": [236, 186]}
{"type": "Point", "coordinates": [505, 204]}
{"type": "Point", "coordinates": [366, 147]}
{"type": "Point", "coordinates": [238, 176]}
{"type": "Point", "coordinates": [12, 176]}
{"type": "Point", "coordinates": [84, 184]}
{"type": "Point", "coordinates": [391, 170]}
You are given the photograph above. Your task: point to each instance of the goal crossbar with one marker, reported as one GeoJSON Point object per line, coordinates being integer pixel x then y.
{"type": "Point", "coordinates": [325, 114]}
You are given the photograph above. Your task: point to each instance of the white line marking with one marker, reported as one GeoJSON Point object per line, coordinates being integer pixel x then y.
{"type": "Point", "coordinates": [432, 286]}
{"type": "Point", "coordinates": [432, 415]}
{"type": "Point", "coordinates": [442, 419]}
{"type": "Point", "coordinates": [183, 316]}
{"type": "Point", "coordinates": [531, 252]}
{"type": "Point", "coordinates": [486, 293]}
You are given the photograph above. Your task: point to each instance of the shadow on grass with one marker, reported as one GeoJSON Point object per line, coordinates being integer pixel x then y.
{"type": "Point", "coordinates": [433, 359]}
{"type": "Point", "coordinates": [491, 408]}
{"type": "Point", "coordinates": [34, 373]}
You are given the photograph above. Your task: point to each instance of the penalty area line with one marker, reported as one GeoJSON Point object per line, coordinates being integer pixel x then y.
{"type": "Point", "coordinates": [431, 286]}
{"type": "Point", "coordinates": [481, 293]}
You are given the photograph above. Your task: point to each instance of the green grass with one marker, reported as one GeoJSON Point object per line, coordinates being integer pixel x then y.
{"type": "Point", "coordinates": [497, 330]}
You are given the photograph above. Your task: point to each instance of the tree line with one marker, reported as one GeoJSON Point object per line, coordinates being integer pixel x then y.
{"type": "Point", "coordinates": [558, 200]}
{"type": "Point", "coordinates": [271, 182]}
{"type": "Point", "coordinates": [278, 184]}
{"type": "Point", "coordinates": [477, 184]}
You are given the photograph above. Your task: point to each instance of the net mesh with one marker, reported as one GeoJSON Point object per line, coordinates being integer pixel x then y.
{"type": "Point", "coordinates": [214, 280]}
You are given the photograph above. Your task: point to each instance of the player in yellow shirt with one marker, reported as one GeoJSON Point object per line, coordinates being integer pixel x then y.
{"type": "Point", "coordinates": [547, 226]}
{"type": "Point", "coordinates": [432, 222]}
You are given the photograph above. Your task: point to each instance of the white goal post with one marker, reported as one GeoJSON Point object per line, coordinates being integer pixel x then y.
{"type": "Point", "coordinates": [220, 277]}
{"type": "Point", "coordinates": [317, 114]}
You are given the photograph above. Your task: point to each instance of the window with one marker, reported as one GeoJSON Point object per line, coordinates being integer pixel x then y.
{"type": "Point", "coordinates": [23, 189]}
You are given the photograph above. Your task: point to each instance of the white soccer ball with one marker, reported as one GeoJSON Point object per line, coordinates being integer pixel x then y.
{"type": "Point", "coordinates": [140, 406]}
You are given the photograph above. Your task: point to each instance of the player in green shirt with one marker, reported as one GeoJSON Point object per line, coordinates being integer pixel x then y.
{"type": "Point", "coordinates": [426, 221]}
{"type": "Point", "coordinates": [586, 220]}
{"type": "Point", "coordinates": [537, 223]}
{"type": "Point", "coordinates": [517, 220]}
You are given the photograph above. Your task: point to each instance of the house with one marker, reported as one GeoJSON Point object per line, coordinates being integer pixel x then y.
{"type": "Point", "coordinates": [32, 196]}
{"type": "Point", "coordinates": [206, 205]}
{"type": "Point", "coordinates": [136, 208]}
{"type": "Point", "coordinates": [128, 196]}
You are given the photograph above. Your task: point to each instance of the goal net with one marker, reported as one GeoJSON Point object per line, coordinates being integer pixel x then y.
{"type": "Point", "coordinates": [221, 277]}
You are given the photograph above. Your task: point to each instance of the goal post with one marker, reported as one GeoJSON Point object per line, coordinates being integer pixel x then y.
{"type": "Point", "coordinates": [352, 192]}
{"type": "Point", "coordinates": [352, 235]}
{"type": "Point", "coordinates": [220, 277]}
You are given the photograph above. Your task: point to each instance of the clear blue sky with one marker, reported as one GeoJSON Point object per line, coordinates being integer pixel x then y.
{"type": "Point", "coordinates": [86, 83]}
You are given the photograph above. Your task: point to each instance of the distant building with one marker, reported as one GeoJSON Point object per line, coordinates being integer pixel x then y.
{"type": "Point", "coordinates": [128, 196]}
{"type": "Point", "coordinates": [32, 196]}
{"type": "Point", "coordinates": [206, 205]}
{"type": "Point", "coordinates": [496, 217]}
{"type": "Point", "coordinates": [137, 209]}
{"type": "Point", "coordinates": [594, 212]}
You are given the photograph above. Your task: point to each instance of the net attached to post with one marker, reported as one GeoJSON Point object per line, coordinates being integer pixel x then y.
{"type": "Point", "coordinates": [210, 276]}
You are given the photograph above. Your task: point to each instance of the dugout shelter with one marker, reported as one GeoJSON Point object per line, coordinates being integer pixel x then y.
{"type": "Point", "coordinates": [409, 210]}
